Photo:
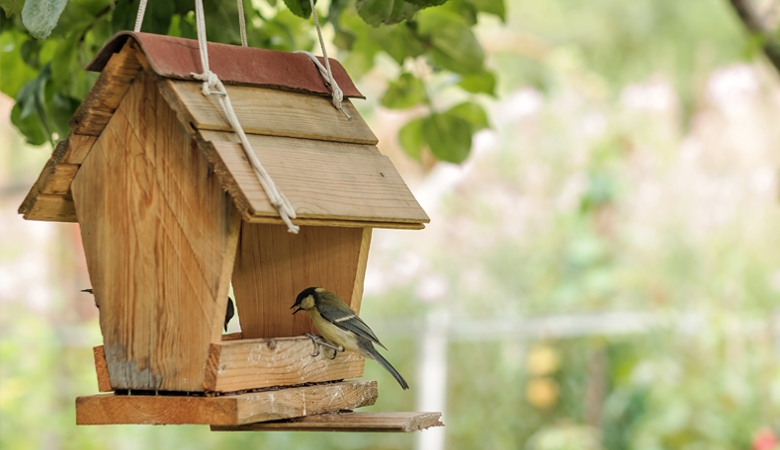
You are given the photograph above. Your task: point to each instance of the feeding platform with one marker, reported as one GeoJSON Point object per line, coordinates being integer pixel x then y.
{"type": "Point", "coordinates": [171, 213]}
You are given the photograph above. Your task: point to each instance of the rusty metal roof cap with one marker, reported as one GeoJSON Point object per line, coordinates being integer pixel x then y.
{"type": "Point", "coordinates": [173, 57]}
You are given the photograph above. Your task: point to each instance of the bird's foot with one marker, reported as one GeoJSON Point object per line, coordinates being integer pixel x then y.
{"type": "Point", "coordinates": [319, 342]}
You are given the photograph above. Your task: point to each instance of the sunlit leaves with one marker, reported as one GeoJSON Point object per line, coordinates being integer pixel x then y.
{"type": "Point", "coordinates": [378, 12]}
{"type": "Point", "coordinates": [448, 136]}
{"type": "Point", "coordinates": [453, 44]}
{"type": "Point", "coordinates": [411, 138]}
{"type": "Point", "coordinates": [495, 7]}
{"type": "Point", "coordinates": [11, 7]}
{"type": "Point", "coordinates": [41, 111]}
{"type": "Point", "coordinates": [405, 92]}
{"type": "Point", "coordinates": [471, 112]}
{"type": "Point", "coordinates": [15, 72]}
{"type": "Point", "coordinates": [479, 83]}
{"type": "Point", "coordinates": [40, 16]}
{"type": "Point", "coordinates": [300, 8]}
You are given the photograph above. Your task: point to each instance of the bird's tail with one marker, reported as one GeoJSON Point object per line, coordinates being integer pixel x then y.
{"type": "Point", "coordinates": [374, 354]}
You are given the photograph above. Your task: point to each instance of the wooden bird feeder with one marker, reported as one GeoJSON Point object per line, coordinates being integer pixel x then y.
{"type": "Point", "coordinates": [171, 212]}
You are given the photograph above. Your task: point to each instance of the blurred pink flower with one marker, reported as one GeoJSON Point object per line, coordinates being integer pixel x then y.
{"type": "Point", "coordinates": [765, 439]}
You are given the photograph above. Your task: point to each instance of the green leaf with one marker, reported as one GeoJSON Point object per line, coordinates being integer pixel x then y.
{"type": "Point", "coordinates": [11, 7]}
{"type": "Point", "coordinates": [495, 7]}
{"type": "Point", "coordinates": [411, 138]}
{"type": "Point", "coordinates": [448, 136]}
{"type": "Point", "coordinates": [29, 114]}
{"type": "Point", "coordinates": [472, 113]}
{"type": "Point", "coordinates": [454, 45]}
{"type": "Point", "coordinates": [378, 12]}
{"type": "Point", "coordinates": [300, 8]}
{"type": "Point", "coordinates": [15, 73]}
{"type": "Point", "coordinates": [479, 83]}
{"type": "Point", "coordinates": [398, 41]}
{"type": "Point", "coordinates": [40, 16]}
{"type": "Point", "coordinates": [29, 126]}
{"type": "Point", "coordinates": [427, 3]}
{"type": "Point", "coordinates": [405, 92]}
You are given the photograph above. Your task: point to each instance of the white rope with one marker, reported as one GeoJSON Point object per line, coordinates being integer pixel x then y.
{"type": "Point", "coordinates": [213, 86]}
{"type": "Point", "coordinates": [325, 72]}
{"type": "Point", "coordinates": [241, 21]}
{"type": "Point", "coordinates": [139, 17]}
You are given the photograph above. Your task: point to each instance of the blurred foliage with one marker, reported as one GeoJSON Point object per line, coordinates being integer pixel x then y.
{"type": "Point", "coordinates": [48, 83]}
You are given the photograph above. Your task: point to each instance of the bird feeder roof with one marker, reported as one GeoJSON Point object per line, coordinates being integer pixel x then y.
{"type": "Point", "coordinates": [327, 166]}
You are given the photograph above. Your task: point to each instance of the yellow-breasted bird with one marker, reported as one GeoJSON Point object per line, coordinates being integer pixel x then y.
{"type": "Point", "coordinates": [339, 325]}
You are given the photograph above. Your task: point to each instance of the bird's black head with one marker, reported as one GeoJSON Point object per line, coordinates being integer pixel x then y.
{"type": "Point", "coordinates": [300, 300]}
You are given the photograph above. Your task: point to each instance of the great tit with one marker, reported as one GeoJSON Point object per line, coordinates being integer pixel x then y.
{"type": "Point", "coordinates": [231, 311]}
{"type": "Point", "coordinates": [339, 325]}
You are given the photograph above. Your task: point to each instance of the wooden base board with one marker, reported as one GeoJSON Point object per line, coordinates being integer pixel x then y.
{"type": "Point", "coordinates": [383, 422]}
{"type": "Point", "coordinates": [109, 409]}
{"type": "Point", "coordinates": [238, 364]}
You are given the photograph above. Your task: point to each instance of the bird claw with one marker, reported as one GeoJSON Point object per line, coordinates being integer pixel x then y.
{"type": "Point", "coordinates": [319, 342]}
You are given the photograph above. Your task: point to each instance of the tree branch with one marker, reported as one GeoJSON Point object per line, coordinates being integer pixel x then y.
{"type": "Point", "coordinates": [754, 24]}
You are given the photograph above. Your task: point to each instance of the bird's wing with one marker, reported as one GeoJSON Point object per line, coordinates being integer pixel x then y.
{"type": "Point", "coordinates": [346, 319]}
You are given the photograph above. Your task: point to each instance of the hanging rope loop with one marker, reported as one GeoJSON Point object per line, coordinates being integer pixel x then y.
{"type": "Point", "coordinates": [326, 72]}
{"type": "Point", "coordinates": [212, 85]}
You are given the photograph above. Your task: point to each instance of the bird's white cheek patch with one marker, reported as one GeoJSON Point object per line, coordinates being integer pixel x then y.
{"type": "Point", "coordinates": [308, 302]}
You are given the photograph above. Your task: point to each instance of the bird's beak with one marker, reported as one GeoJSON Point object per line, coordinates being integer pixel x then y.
{"type": "Point", "coordinates": [299, 309]}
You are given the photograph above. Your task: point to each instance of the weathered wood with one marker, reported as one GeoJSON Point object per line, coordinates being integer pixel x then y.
{"type": "Point", "coordinates": [273, 266]}
{"type": "Point", "coordinates": [105, 409]}
{"type": "Point", "coordinates": [55, 179]}
{"type": "Point", "coordinates": [101, 369]}
{"type": "Point", "coordinates": [159, 236]}
{"type": "Point", "coordinates": [276, 113]}
{"type": "Point", "coordinates": [258, 363]}
{"type": "Point", "coordinates": [59, 183]}
{"type": "Point", "coordinates": [52, 208]}
{"type": "Point", "coordinates": [105, 96]}
{"type": "Point", "coordinates": [360, 273]}
{"type": "Point", "coordinates": [376, 422]}
{"type": "Point", "coordinates": [322, 180]}
{"type": "Point", "coordinates": [78, 148]}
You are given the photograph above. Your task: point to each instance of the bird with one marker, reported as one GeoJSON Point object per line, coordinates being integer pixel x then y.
{"type": "Point", "coordinates": [341, 326]}
{"type": "Point", "coordinates": [231, 311]}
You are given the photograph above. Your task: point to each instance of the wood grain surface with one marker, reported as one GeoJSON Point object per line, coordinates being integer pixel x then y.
{"type": "Point", "coordinates": [276, 113]}
{"type": "Point", "coordinates": [376, 422]}
{"type": "Point", "coordinates": [159, 236]}
{"type": "Point", "coordinates": [104, 409]}
{"type": "Point", "coordinates": [273, 266]}
{"type": "Point", "coordinates": [258, 363]}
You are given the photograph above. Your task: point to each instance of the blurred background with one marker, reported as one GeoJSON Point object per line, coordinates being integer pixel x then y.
{"type": "Point", "coordinates": [602, 272]}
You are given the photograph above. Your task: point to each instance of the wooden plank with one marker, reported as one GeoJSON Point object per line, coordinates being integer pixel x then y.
{"type": "Point", "coordinates": [276, 113]}
{"type": "Point", "coordinates": [322, 180]}
{"type": "Point", "coordinates": [360, 272]}
{"type": "Point", "coordinates": [159, 237]}
{"type": "Point", "coordinates": [273, 266]}
{"type": "Point", "coordinates": [101, 369]}
{"type": "Point", "coordinates": [375, 422]}
{"type": "Point", "coordinates": [335, 223]}
{"type": "Point", "coordinates": [59, 183]}
{"type": "Point", "coordinates": [52, 208]}
{"type": "Point", "coordinates": [55, 179]}
{"type": "Point", "coordinates": [78, 148]}
{"type": "Point", "coordinates": [258, 363]}
{"type": "Point", "coordinates": [105, 96]}
{"type": "Point", "coordinates": [106, 409]}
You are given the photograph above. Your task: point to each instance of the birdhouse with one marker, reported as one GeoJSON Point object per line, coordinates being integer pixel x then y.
{"type": "Point", "coordinates": [171, 213]}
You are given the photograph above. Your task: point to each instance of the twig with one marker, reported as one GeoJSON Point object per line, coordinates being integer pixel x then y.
{"type": "Point", "coordinates": [754, 23]}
